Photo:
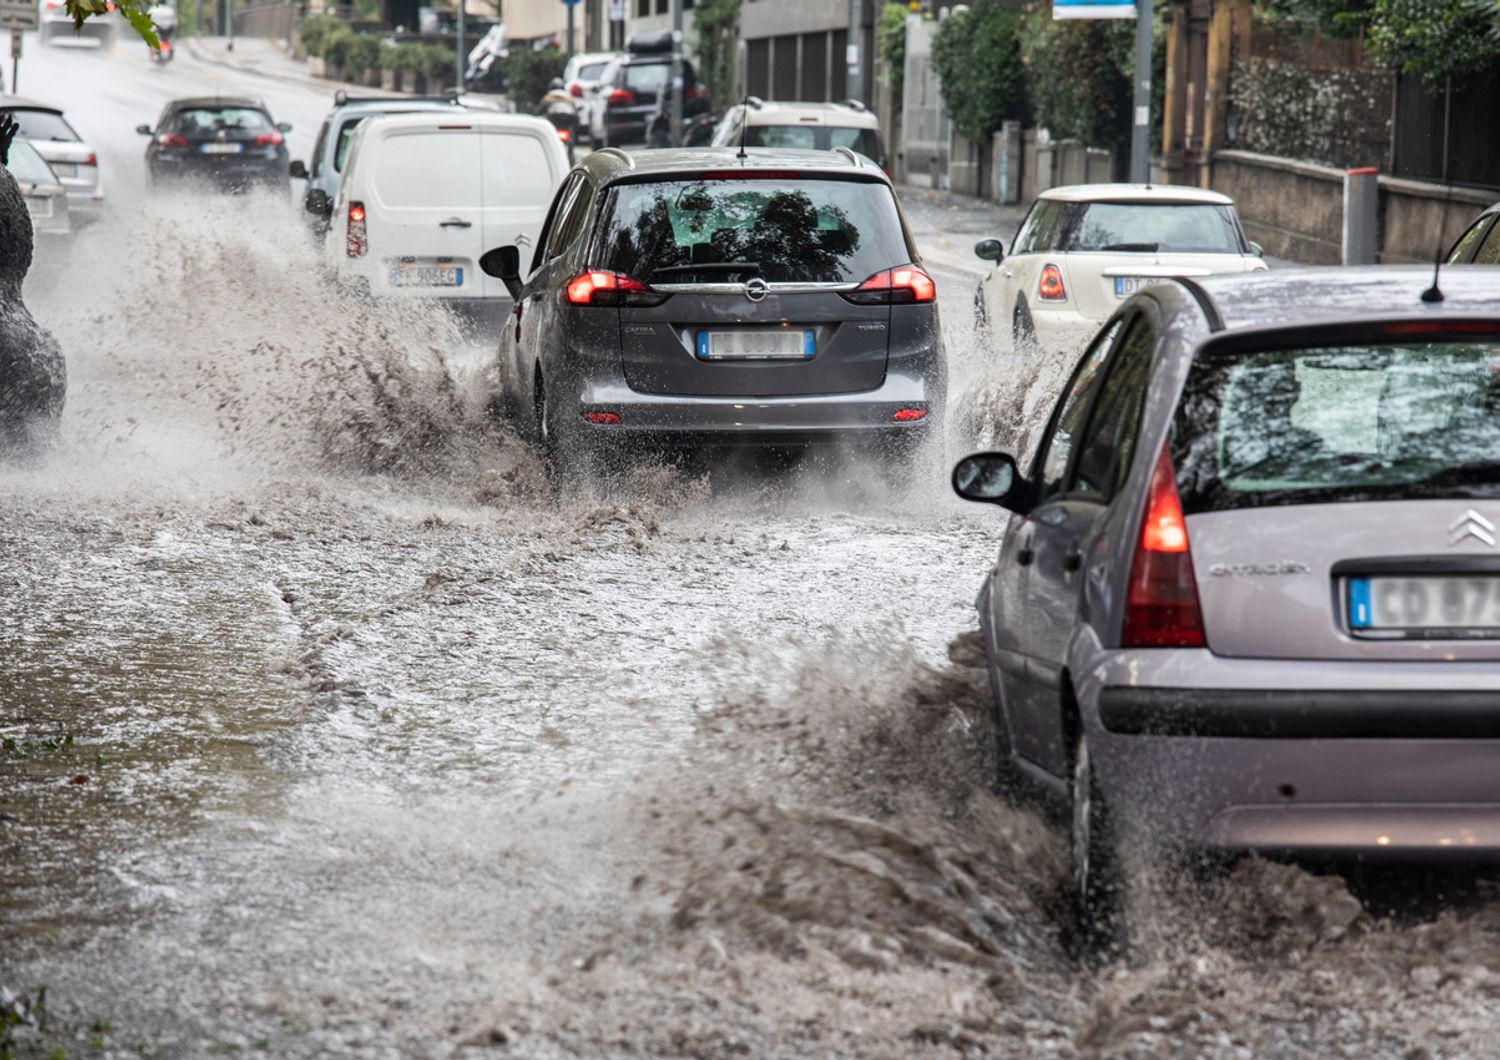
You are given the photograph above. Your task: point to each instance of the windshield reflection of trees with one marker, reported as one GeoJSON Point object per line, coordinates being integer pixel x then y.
{"type": "Point", "coordinates": [782, 236]}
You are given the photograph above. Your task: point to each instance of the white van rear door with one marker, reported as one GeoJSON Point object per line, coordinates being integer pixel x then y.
{"type": "Point", "coordinates": [425, 222]}
{"type": "Point", "coordinates": [522, 169]}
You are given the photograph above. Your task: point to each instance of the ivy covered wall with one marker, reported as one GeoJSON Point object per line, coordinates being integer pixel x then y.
{"type": "Point", "coordinates": [1334, 117]}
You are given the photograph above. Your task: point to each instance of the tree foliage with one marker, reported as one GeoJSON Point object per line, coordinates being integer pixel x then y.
{"type": "Point", "coordinates": [527, 74]}
{"type": "Point", "coordinates": [716, 26]}
{"type": "Point", "coordinates": [134, 12]}
{"type": "Point", "coordinates": [890, 45]}
{"type": "Point", "coordinates": [978, 60]}
{"type": "Point", "coordinates": [1435, 38]}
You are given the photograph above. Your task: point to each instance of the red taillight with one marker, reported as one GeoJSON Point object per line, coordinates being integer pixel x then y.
{"type": "Point", "coordinates": [355, 241]}
{"type": "Point", "coordinates": [1161, 602]}
{"type": "Point", "coordinates": [909, 415]}
{"type": "Point", "coordinates": [621, 96]}
{"type": "Point", "coordinates": [600, 287]}
{"type": "Point", "coordinates": [268, 139]}
{"type": "Point", "coordinates": [905, 285]}
{"type": "Point", "coordinates": [172, 140]}
{"type": "Point", "coordinates": [696, 92]}
{"type": "Point", "coordinates": [91, 160]}
{"type": "Point", "coordinates": [1051, 288]}
{"type": "Point", "coordinates": [604, 419]}
{"type": "Point", "coordinates": [575, 89]}
{"type": "Point", "coordinates": [564, 135]}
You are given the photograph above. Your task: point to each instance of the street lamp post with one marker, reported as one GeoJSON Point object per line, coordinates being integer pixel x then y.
{"type": "Point", "coordinates": [1140, 130]}
{"type": "Point", "coordinates": [460, 59]}
{"type": "Point", "coordinates": [851, 50]}
{"type": "Point", "coordinates": [677, 73]}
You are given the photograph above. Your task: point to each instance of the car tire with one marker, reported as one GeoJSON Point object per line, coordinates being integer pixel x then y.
{"type": "Point", "coordinates": [1097, 878]}
{"type": "Point", "coordinates": [1023, 328]}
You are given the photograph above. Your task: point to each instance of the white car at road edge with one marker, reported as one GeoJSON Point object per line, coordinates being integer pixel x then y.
{"type": "Point", "coordinates": [1083, 249]}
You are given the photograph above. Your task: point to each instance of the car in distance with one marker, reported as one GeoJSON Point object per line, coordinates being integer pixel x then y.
{"type": "Point", "coordinates": [332, 146]}
{"type": "Point", "coordinates": [1083, 249]}
{"type": "Point", "coordinates": [808, 126]}
{"type": "Point", "coordinates": [73, 161]}
{"type": "Point", "coordinates": [46, 198]}
{"type": "Point", "coordinates": [56, 27]}
{"type": "Point", "coordinates": [423, 195]}
{"type": "Point", "coordinates": [627, 95]}
{"type": "Point", "coordinates": [704, 297]}
{"type": "Point", "coordinates": [581, 75]}
{"type": "Point", "coordinates": [223, 142]}
{"type": "Point", "coordinates": [1252, 601]}
{"type": "Point", "coordinates": [1480, 242]}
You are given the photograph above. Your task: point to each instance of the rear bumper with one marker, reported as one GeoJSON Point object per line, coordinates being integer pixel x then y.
{"type": "Point", "coordinates": [1393, 762]}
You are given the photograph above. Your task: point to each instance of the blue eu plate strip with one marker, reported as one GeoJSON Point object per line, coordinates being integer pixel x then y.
{"type": "Point", "coordinates": [1359, 603]}
{"type": "Point", "coordinates": [807, 344]}
{"type": "Point", "coordinates": [702, 344]}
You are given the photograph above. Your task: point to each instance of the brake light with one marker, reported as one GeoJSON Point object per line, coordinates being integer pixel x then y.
{"type": "Point", "coordinates": [171, 140]}
{"type": "Point", "coordinates": [750, 174]}
{"type": "Point", "coordinates": [622, 97]}
{"type": "Point", "coordinates": [696, 92]}
{"type": "Point", "coordinates": [1050, 288]}
{"type": "Point", "coordinates": [564, 135]}
{"type": "Point", "coordinates": [909, 415]}
{"type": "Point", "coordinates": [604, 419]}
{"type": "Point", "coordinates": [1438, 327]}
{"type": "Point", "coordinates": [1161, 601]}
{"type": "Point", "coordinates": [906, 285]}
{"type": "Point", "coordinates": [356, 241]}
{"type": "Point", "coordinates": [576, 90]}
{"type": "Point", "coordinates": [91, 160]}
{"type": "Point", "coordinates": [268, 139]}
{"type": "Point", "coordinates": [600, 287]}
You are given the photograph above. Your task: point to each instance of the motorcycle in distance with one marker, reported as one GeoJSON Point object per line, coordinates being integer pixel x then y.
{"type": "Point", "coordinates": [558, 108]}
{"type": "Point", "coordinates": [164, 17]}
{"type": "Point", "coordinates": [162, 53]}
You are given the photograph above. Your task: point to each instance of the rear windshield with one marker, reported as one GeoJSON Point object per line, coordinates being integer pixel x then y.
{"type": "Point", "coordinates": [28, 166]}
{"type": "Point", "coordinates": [1346, 423]}
{"type": "Point", "coordinates": [44, 125]}
{"type": "Point", "coordinates": [815, 138]}
{"type": "Point", "coordinates": [781, 230]}
{"type": "Point", "coordinates": [647, 77]}
{"type": "Point", "coordinates": [1184, 228]}
{"type": "Point", "coordinates": [208, 121]}
{"type": "Point", "coordinates": [590, 71]}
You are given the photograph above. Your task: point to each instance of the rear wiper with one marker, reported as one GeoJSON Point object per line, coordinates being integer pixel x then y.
{"type": "Point", "coordinates": [706, 266]}
{"type": "Point", "coordinates": [1139, 248]}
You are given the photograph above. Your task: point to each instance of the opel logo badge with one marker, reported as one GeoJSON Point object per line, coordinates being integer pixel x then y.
{"type": "Point", "coordinates": [1471, 524]}
{"type": "Point", "coordinates": [757, 289]}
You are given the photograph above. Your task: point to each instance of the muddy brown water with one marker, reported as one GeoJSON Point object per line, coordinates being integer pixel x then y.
{"type": "Point", "coordinates": [331, 731]}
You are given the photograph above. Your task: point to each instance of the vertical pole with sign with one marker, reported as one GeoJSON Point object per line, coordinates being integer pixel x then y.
{"type": "Point", "coordinates": [851, 51]}
{"type": "Point", "coordinates": [1140, 118]}
{"type": "Point", "coordinates": [461, 54]}
{"type": "Point", "coordinates": [571, 6]}
{"type": "Point", "coordinates": [15, 61]}
{"type": "Point", "coordinates": [616, 22]}
{"type": "Point", "coordinates": [18, 16]}
{"type": "Point", "coordinates": [676, 73]}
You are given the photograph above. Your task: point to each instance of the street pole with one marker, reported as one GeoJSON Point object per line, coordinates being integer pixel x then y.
{"type": "Point", "coordinates": [570, 7]}
{"type": "Point", "coordinates": [676, 73]}
{"type": "Point", "coordinates": [15, 61]}
{"type": "Point", "coordinates": [1140, 132]}
{"type": "Point", "coordinates": [460, 58]}
{"type": "Point", "coordinates": [851, 50]}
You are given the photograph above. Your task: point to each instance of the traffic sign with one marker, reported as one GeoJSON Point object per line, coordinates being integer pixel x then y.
{"type": "Point", "coordinates": [19, 15]}
{"type": "Point", "coordinates": [570, 3]}
{"type": "Point", "coordinates": [617, 10]}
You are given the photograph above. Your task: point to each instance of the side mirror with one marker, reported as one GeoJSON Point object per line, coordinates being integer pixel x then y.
{"type": "Point", "coordinates": [504, 264]}
{"type": "Point", "coordinates": [990, 249]}
{"type": "Point", "coordinates": [317, 202]}
{"type": "Point", "coordinates": [298, 169]}
{"type": "Point", "coordinates": [144, 130]}
{"type": "Point", "coordinates": [284, 126]}
{"type": "Point", "coordinates": [1256, 249]}
{"type": "Point", "coordinates": [989, 478]}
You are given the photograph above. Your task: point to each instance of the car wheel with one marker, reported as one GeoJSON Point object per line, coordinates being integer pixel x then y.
{"type": "Point", "coordinates": [1023, 329]}
{"type": "Point", "coordinates": [1098, 880]}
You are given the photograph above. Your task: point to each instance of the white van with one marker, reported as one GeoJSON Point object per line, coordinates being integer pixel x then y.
{"type": "Point", "coordinates": [424, 195]}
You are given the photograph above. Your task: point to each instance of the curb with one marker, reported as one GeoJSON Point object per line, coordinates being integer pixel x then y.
{"type": "Point", "coordinates": [225, 58]}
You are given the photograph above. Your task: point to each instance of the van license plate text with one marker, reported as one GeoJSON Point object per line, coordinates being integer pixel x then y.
{"type": "Point", "coordinates": [1436, 607]}
{"type": "Point", "coordinates": [427, 276]}
{"type": "Point", "coordinates": [748, 344]}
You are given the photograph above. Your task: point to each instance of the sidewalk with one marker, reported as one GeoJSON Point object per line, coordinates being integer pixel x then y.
{"type": "Point", "coordinates": [264, 57]}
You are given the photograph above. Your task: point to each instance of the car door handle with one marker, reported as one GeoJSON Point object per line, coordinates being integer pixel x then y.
{"type": "Point", "coordinates": [455, 222]}
{"type": "Point", "coordinates": [1072, 561]}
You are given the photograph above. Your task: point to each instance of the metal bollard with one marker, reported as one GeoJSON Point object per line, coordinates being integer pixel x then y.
{"type": "Point", "coordinates": [1361, 216]}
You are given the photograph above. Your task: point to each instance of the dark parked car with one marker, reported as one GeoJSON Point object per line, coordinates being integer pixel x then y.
{"type": "Point", "coordinates": [1251, 601]}
{"type": "Point", "coordinates": [621, 105]}
{"type": "Point", "coordinates": [232, 144]}
{"type": "Point", "coordinates": [704, 297]}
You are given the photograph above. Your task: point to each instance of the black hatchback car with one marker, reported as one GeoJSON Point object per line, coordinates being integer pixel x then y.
{"type": "Point", "coordinates": [629, 93]}
{"type": "Point", "coordinates": [224, 142]}
{"type": "Point", "coordinates": [722, 298]}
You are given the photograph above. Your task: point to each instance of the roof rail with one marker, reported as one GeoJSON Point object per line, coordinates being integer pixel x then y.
{"type": "Point", "coordinates": [854, 104]}
{"type": "Point", "coordinates": [1205, 302]}
{"type": "Point", "coordinates": [755, 101]}
{"type": "Point", "coordinates": [847, 152]}
{"type": "Point", "coordinates": [627, 159]}
{"type": "Point", "coordinates": [342, 96]}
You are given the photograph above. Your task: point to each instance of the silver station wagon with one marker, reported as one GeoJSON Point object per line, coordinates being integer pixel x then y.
{"type": "Point", "coordinates": [1250, 596]}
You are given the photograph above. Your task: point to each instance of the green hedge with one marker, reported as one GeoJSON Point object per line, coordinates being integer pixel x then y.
{"type": "Point", "coordinates": [527, 73]}
{"type": "Point", "coordinates": [977, 55]}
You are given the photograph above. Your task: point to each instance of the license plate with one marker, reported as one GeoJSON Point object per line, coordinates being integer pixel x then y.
{"type": "Point", "coordinates": [39, 207]}
{"type": "Point", "coordinates": [1431, 606]}
{"type": "Point", "coordinates": [221, 149]}
{"type": "Point", "coordinates": [64, 169]}
{"type": "Point", "coordinates": [750, 344]}
{"type": "Point", "coordinates": [407, 274]}
{"type": "Point", "coordinates": [1125, 286]}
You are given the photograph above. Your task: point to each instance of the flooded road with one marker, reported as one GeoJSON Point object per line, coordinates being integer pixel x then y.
{"type": "Point", "coordinates": [329, 730]}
